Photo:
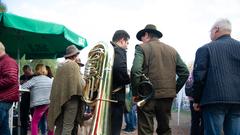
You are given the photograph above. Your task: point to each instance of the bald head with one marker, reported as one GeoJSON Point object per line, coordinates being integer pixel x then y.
{"type": "Point", "coordinates": [2, 49]}
{"type": "Point", "coordinates": [221, 27]}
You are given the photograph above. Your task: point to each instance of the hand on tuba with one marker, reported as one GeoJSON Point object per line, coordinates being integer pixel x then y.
{"type": "Point", "coordinates": [135, 99]}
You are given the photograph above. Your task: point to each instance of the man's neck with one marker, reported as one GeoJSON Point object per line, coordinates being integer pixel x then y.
{"type": "Point", "coordinates": [30, 74]}
{"type": "Point", "coordinates": [2, 53]}
{"type": "Point", "coordinates": [118, 44]}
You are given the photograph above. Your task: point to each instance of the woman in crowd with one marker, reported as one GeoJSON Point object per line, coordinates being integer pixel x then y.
{"type": "Point", "coordinates": [40, 88]}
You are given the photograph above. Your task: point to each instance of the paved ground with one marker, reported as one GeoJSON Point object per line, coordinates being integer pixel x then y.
{"type": "Point", "coordinates": [181, 129]}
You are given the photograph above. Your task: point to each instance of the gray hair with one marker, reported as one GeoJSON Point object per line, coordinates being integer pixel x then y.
{"type": "Point", "coordinates": [2, 48]}
{"type": "Point", "coordinates": [223, 25]}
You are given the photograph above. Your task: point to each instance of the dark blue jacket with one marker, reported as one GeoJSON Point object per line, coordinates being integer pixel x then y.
{"type": "Point", "coordinates": [217, 72]}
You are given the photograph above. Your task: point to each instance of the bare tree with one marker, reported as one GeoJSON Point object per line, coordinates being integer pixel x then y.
{"type": "Point", "coordinates": [3, 7]}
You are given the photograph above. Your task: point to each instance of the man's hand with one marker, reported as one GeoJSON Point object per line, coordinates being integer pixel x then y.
{"type": "Point", "coordinates": [135, 98]}
{"type": "Point", "coordinates": [196, 106]}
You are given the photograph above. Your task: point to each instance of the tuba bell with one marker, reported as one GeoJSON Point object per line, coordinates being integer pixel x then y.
{"type": "Point", "coordinates": [145, 91]}
{"type": "Point", "coordinates": [97, 93]}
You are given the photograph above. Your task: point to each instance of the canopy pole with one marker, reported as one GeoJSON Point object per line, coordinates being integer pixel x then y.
{"type": "Point", "coordinates": [18, 105]}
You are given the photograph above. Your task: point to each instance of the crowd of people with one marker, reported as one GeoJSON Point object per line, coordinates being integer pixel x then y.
{"type": "Point", "coordinates": [56, 104]}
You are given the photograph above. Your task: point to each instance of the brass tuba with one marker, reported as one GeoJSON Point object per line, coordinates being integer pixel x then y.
{"type": "Point", "coordinates": [97, 93]}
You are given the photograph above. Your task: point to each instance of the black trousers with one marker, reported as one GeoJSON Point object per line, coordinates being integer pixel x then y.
{"type": "Point", "coordinates": [117, 110]}
{"type": "Point", "coordinates": [24, 112]}
{"type": "Point", "coordinates": [159, 108]}
{"type": "Point", "coordinates": [196, 121]}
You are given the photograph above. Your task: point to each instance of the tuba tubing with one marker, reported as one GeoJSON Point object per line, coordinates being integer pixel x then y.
{"type": "Point", "coordinates": [145, 91]}
{"type": "Point", "coordinates": [97, 93]}
{"type": "Point", "coordinates": [142, 102]}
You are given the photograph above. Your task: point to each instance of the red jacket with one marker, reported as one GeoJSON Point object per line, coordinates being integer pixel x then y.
{"type": "Point", "coordinates": [9, 86]}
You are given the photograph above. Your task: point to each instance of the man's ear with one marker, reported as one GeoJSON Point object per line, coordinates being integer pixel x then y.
{"type": "Point", "coordinates": [218, 29]}
{"type": "Point", "coordinates": [146, 34]}
{"type": "Point", "coordinates": [122, 41]}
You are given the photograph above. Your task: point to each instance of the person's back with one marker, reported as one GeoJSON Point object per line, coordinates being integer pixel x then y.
{"type": "Point", "coordinates": [160, 67]}
{"type": "Point", "coordinates": [216, 81]}
{"type": "Point", "coordinates": [66, 70]}
{"type": "Point", "coordinates": [161, 64]}
{"type": "Point", "coordinates": [64, 85]}
{"type": "Point", "coordinates": [9, 79]}
{"type": "Point", "coordinates": [65, 110]}
{"type": "Point", "coordinates": [223, 76]}
{"type": "Point", "coordinates": [9, 88]}
{"type": "Point", "coordinates": [40, 89]}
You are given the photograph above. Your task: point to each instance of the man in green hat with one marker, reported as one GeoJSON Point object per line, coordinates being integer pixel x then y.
{"type": "Point", "coordinates": [160, 63]}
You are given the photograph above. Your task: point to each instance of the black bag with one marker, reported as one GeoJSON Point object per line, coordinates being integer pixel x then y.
{"type": "Point", "coordinates": [188, 85]}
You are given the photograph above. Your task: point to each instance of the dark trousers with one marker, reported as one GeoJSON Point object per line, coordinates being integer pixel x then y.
{"type": "Point", "coordinates": [24, 112]}
{"type": "Point", "coordinates": [117, 110]}
{"type": "Point", "coordinates": [161, 108]}
{"type": "Point", "coordinates": [196, 121]}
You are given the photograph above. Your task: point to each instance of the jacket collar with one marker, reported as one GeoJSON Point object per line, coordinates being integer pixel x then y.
{"type": "Point", "coordinates": [153, 39]}
{"type": "Point", "coordinates": [117, 46]}
{"type": "Point", "coordinates": [224, 36]}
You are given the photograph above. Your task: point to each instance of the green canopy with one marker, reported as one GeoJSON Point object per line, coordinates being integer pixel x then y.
{"type": "Point", "coordinates": [36, 39]}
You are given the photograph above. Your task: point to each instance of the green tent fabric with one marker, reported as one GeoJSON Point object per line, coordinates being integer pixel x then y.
{"type": "Point", "coordinates": [36, 39]}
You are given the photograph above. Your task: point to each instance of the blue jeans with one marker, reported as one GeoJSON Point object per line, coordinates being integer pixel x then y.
{"type": "Point", "coordinates": [4, 118]}
{"type": "Point", "coordinates": [221, 116]}
{"type": "Point", "coordinates": [131, 118]}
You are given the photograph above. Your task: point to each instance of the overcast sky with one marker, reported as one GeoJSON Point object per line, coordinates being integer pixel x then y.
{"type": "Point", "coordinates": [185, 24]}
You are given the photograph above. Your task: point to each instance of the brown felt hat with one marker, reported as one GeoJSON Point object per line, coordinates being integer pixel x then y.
{"type": "Point", "coordinates": [71, 51]}
{"type": "Point", "coordinates": [150, 28]}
